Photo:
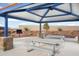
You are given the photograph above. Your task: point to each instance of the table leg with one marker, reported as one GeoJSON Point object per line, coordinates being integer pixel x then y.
{"type": "Point", "coordinates": [31, 48]}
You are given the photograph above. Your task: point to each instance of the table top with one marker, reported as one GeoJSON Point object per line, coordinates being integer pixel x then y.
{"type": "Point", "coordinates": [49, 41]}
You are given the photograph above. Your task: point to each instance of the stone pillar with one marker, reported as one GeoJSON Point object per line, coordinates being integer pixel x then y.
{"type": "Point", "coordinates": [6, 43]}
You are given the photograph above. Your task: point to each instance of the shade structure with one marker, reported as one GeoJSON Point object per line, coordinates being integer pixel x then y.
{"type": "Point", "coordinates": [41, 12]}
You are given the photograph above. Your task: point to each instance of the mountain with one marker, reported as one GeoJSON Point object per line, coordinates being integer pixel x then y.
{"type": "Point", "coordinates": [52, 28]}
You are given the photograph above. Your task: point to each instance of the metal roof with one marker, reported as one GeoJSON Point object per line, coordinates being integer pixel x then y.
{"type": "Point", "coordinates": [41, 12]}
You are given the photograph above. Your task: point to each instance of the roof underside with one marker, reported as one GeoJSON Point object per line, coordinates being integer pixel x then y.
{"type": "Point", "coordinates": [41, 12]}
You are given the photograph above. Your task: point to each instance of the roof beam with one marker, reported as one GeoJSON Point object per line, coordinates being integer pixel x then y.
{"type": "Point", "coordinates": [56, 15]}
{"type": "Point", "coordinates": [66, 12]}
{"type": "Point", "coordinates": [35, 14]}
{"type": "Point", "coordinates": [49, 5]}
{"type": "Point", "coordinates": [39, 6]}
{"type": "Point", "coordinates": [6, 6]}
{"type": "Point", "coordinates": [46, 7]}
{"type": "Point", "coordinates": [43, 6]}
{"type": "Point", "coordinates": [18, 18]}
{"type": "Point", "coordinates": [23, 10]}
{"type": "Point", "coordinates": [44, 15]}
{"type": "Point", "coordinates": [47, 12]}
{"type": "Point", "coordinates": [27, 9]}
{"type": "Point", "coordinates": [61, 21]}
{"type": "Point", "coordinates": [36, 7]}
{"type": "Point", "coordinates": [14, 7]}
{"type": "Point", "coordinates": [54, 5]}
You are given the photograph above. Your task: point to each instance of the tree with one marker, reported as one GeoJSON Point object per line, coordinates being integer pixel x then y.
{"type": "Point", "coordinates": [59, 29]}
{"type": "Point", "coordinates": [26, 29]}
{"type": "Point", "coordinates": [46, 27]}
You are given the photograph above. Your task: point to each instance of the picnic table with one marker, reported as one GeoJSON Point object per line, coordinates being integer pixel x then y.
{"type": "Point", "coordinates": [44, 44]}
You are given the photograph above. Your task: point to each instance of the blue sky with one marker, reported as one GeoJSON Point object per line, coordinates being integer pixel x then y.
{"type": "Point", "coordinates": [13, 23]}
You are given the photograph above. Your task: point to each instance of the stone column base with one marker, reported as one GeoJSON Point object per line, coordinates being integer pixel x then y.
{"type": "Point", "coordinates": [6, 43]}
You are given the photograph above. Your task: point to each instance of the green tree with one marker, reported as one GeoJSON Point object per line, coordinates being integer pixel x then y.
{"type": "Point", "coordinates": [46, 27]}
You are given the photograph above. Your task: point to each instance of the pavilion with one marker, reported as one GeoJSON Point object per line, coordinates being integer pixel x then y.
{"type": "Point", "coordinates": [44, 12]}
{"type": "Point", "coordinates": [39, 13]}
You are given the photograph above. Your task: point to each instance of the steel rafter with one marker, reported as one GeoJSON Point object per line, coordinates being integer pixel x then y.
{"type": "Point", "coordinates": [56, 15]}
{"type": "Point", "coordinates": [18, 18]}
{"type": "Point", "coordinates": [45, 7]}
{"type": "Point", "coordinates": [39, 6]}
{"type": "Point", "coordinates": [70, 20]}
{"type": "Point", "coordinates": [23, 10]}
{"type": "Point", "coordinates": [15, 7]}
{"type": "Point", "coordinates": [48, 7]}
{"type": "Point", "coordinates": [47, 12]}
{"type": "Point", "coordinates": [44, 15]}
{"type": "Point", "coordinates": [28, 10]}
{"type": "Point", "coordinates": [35, 14]}
{"type": "Point", "coordinates": [35, 8]}
{"type": "Point", "coordinates": [66, 12]}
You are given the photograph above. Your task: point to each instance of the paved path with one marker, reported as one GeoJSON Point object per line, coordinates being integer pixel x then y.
{"type": "Point", "coordinates": [20, 49]}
